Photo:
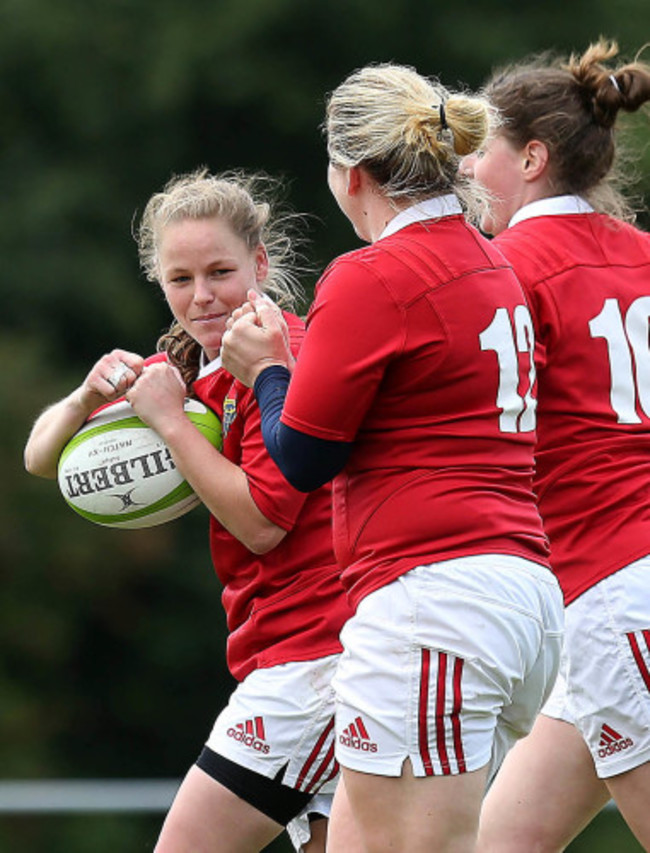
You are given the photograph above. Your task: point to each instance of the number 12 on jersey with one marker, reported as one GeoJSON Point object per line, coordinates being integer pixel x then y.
{"type": "Point", "coordinates": [508, 337]}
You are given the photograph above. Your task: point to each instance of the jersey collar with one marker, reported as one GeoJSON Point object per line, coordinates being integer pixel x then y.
{"type": "Point", "coordinates": [207, 367]}
{"type": "Point", "coordinates": [559, 205]}
{"type": "Point", "coordinates": [431, 208]}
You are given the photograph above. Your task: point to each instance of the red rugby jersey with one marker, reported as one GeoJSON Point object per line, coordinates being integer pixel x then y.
{"type": "Point", "coordinates": [287, 604]}
{"type": "Point", "coordinates": [587, 277]}
{"type": "Point", "coordinates": [419, 349]}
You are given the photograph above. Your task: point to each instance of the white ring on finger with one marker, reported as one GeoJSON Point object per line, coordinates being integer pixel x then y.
{"type": "Point", "coordinates": [117, 375]}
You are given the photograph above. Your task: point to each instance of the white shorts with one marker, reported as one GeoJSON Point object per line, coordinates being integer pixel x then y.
{"type": "Point", "coordinates": [282, 719]}
{"type": "Point", "coordinates": [447, 666]}
{"type": "Point", "coordinates": [299, 829]}
{"type": "Point", "coordinates": [604, 683]}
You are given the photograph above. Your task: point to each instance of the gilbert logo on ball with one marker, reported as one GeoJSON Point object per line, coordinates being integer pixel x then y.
{"type": "Point", "coordinates": [118, 472]}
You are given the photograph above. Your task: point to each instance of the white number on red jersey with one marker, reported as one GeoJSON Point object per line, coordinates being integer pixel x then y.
{"type": "Point", "coordinates": [630, 378]}
{"type": "Point", "coordinates": [508, 337]}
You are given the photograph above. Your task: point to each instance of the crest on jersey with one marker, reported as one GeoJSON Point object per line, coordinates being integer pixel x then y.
{"type": "Point", "coordinates": [229, 414]}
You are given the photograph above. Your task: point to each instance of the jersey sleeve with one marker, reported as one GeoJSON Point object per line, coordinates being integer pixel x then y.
{"type": "Point", "coordinates": [275, 498]}
{"type": "Point", "coordinates": [354, 328]}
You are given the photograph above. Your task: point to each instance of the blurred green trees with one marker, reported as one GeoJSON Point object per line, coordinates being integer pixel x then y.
{"type": "Point", "coordinates": [113, 641]}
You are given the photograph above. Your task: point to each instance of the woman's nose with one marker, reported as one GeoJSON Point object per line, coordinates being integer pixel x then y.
{"type": "Point", "coordinates": [203, 291]}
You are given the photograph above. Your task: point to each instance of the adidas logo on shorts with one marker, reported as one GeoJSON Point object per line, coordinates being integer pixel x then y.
{"type": "Point", "coordinates": [251, 734]}
{"type": "Point", "coordinates": [356, 736]}
{"type": "Point", "coordinates": [612, 742]}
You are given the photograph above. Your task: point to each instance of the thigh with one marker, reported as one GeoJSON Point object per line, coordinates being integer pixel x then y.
{"type": "Point", "coordinates": [409, 814]}
{"type": "Point", "coordinates": [317, 840]}
{"type": "Point", "coordinates": [343, 832]}
{"type": "Point", "coordinates": [545, 793]}
{"type": "Point", "coordinates": [631, 790]}
{"type": "Point", "coordinates": [207, 817]}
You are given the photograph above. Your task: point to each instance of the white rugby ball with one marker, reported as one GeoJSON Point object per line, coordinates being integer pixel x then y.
{"type": "Point", "coordinates": [118, 472]}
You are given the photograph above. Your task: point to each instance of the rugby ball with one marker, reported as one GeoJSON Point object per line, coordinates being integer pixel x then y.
{"type": "Point", "coordinates": [116, 471]}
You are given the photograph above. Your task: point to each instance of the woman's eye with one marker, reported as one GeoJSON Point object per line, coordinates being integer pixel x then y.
{"type": "Point", "coordinates": [180, 279]}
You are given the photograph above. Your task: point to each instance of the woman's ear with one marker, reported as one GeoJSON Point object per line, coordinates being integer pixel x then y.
{"type": "Point", "coordinates": [261, 263]}
{"type": "Point", "coordinates": [354, 180]}
{"type": "Point", "coordinates": [535, 160]}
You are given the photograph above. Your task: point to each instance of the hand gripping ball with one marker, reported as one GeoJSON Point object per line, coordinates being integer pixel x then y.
{"type": "Point", "coordinates": [118, 472]}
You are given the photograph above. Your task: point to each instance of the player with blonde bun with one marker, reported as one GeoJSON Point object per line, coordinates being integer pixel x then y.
{"type": "Point", "coordinates": [268, 762]}
{"type": "Point", "coordinates": [415, 391]}
{"type": "Point", "coordinates": [554, 173]}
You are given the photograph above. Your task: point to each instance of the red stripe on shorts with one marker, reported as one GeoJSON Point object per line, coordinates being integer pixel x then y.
{"type": "Point", "coordinates": [325, 763]}
{"type": "Point", "coordinates": [313, 755]}
{"type": "Point", "coordinates": [455, 715]}
{"type": "Point", "coordinates": [441, 696]}
{"type": "Point", "coordinates": [638, 657]}
{"type": "Point", "coordinates": [335, 769]}
{"type": "Point", "coordinates": [423, 712]}
{"type": "Point", "coordinates": [440, 713]}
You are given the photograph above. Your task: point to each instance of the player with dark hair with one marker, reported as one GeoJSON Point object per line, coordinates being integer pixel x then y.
{"type": "Point", "coordinates": [415, 390]}
{"type": "Point", "coordinates": [269, 761]}
{"type": "Point", "coordinates": [558, 218]}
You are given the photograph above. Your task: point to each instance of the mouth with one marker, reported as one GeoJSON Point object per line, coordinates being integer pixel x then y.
{"type": "Point", "coordinates": [209, 318]}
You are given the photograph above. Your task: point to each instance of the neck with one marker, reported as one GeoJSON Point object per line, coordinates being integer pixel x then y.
{"type": "Point", "coordinates": [379, 212]}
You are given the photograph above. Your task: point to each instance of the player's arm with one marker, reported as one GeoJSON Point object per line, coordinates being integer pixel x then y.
{"type": "Point", "coordinates": [307, 462]}
{"type": "Point", "coordinates": [254, 350]}
{"type": "Point", "coordinates": [158, 398]}
{"type": "Point", "coordinates": [107, 380]}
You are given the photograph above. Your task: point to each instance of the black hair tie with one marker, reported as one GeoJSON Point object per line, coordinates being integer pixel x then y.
{"type": "Point", "coordinates": [443, 117]}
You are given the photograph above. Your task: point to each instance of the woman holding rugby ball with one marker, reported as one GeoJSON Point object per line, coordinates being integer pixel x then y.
{"type": "Point", "coordinates": [269, 760]}
{"type": "Point", "coordinates": [560, 221]}
{"type": "Point", "coordinates": [414, 390]}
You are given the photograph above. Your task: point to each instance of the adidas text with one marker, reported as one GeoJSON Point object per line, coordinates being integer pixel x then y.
{"type": "Point", "coordinates": [248, 740]}
{"type": "Point", "coordinates": [357, 743]}
{"type": "Point", "coordinates": [617, 746]}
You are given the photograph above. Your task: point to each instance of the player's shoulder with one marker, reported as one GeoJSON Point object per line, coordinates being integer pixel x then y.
{"type": "Point", "coordinates": [624, 239]}
{"type": "Point", "coordinates": [537, 248]}
{"type": "Point", "coordinates": [358, 256]}
{"type": "Point", "coordinates": [542, 248]}
{"type": "Point", "coordinates": [417, 259]}
{"type": "Point", "coordinates": [350, 273]}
